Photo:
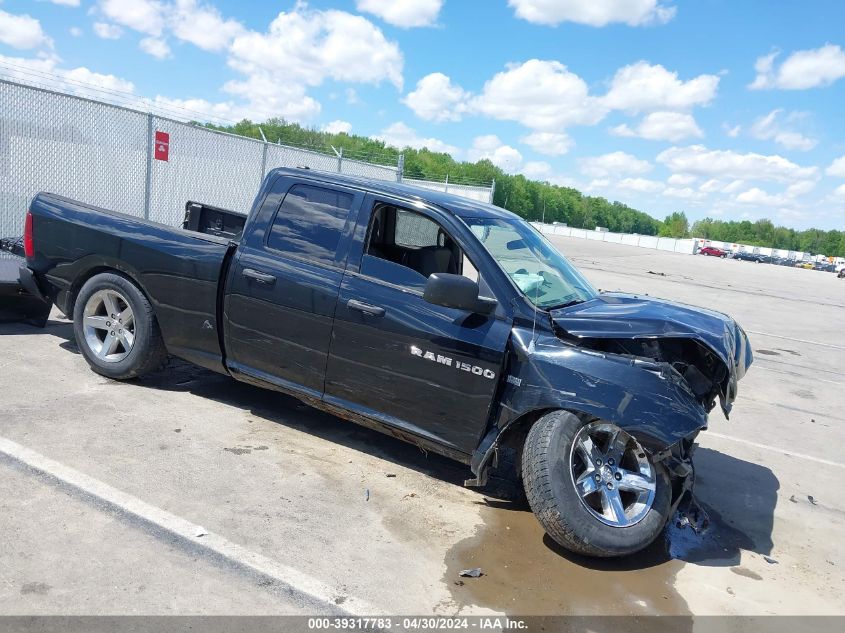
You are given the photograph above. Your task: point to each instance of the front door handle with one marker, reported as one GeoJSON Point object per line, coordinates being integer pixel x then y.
{"type": "Point", "coordinates": [260, 277]}
{"type": "Point", "coordinates": [366, 308]}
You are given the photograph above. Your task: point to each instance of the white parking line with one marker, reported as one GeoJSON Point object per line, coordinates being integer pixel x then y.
{"type": "Point", "coordinates": [299, 583]}
{"type": "Point", "coordinates": [775, 449]}
{"type": "Point", "coordinates": [797, 340]}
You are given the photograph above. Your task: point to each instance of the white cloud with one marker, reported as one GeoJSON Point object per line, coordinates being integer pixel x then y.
{"type": "Point", "coordinates": [755, 195]}
{"type": "Point", "coordinates": [491, 148]}
{"type": "Point", "coordinates": [75, 31]}
{"type": "Point", "coordinates": [66, 3]}
{"type": "Point", "coordinates": [264, 99]}
{"type": "Point", "coordinates": [541, 95]}
{"type": "Point", "coordinates": [188, 20]}
{"type": "Point", "coordinates": [400, 135]}
{"type": "Point", "coordinates": [801, 70]}
{"type": "Point", "coordinates": [80, 80]}
{"type": "Point", "coordinates": [714, 185]}
{"type": "Point", "coordinates": [107, 31]}
{"type": "Point", "coordinates": [337, 127]}
{"type": "Point", "coordinates": [203, 25]}
{"type": "Point", "coordinates": [839, 192]}
{"type": "Point", "coordinates": [202, 109]}
{"type": "Point", "coordinates": [536, 170]}
{"type": "Point", "coordinates": [697, 160]}
{"type": "Point", "coordinates": [436, 98]}
{"type": "Point", "coordinates": [837, 168]}
{"type": "Point", "coordinates": [681, 179]}
{"type": "Point", "coordinates": [21, 31]}
{"type": "Point", "coordinates": [613, 164]}
{"type": "Point", "coordinates": [800, 188]}
{"type": "Point", "coordinates": [306, 46]}
{"type": "Point", "coordinates": [593, 12]}
{"type": "Point", "coordinates": [108, 82]}
{"type": "Point", "coordinates": [403, 13]}
{"type": "Point", "coordinates": [549, 143]}
{"type": "Point", "coordinates": [684, 193]}
{"type": "Point", "coordinates": [642, 87]}
{"type": "Point", "coordinates": [146, 16]}
{"type": "Point", "coordinates": [662, 126]}
{"type": "Point", "coordinates": [732, 130]}
{"type": "Point", "coordinates": [771, 127]}
{"type": "Point", "coordinates": [351, 96]}
{"type": "Point", "coordinates": [643, 185]}
{"type": "Point", "coordinates": [156, 47]}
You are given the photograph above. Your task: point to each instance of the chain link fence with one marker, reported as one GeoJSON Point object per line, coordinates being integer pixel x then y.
{"type": "Point", "coordinates": [105, 155]}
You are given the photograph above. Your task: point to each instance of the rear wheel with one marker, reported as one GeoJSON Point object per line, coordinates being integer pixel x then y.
{"type": "Point", "coordinates": [115, 328]}
{"type": "Point", "coordinates": [592, 487]}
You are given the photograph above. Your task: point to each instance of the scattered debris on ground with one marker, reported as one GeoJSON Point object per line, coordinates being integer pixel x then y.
{"type": "Point", "coordinates": [475, 572]}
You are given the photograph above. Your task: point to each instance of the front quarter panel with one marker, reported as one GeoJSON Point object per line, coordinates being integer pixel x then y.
{"type": "Point", "coordinates": [648, 400]}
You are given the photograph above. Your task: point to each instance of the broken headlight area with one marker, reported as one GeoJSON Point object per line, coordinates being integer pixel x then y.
{"type": "Point", "coordinates": [701, 370]}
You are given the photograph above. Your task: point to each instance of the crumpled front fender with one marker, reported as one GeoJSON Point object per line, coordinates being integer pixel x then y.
{"type": "Point", "coordinates": [649, 400]}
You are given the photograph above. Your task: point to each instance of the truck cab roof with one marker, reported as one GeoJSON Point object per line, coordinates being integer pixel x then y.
{"type": "Point", "coordinates": [457, 205]}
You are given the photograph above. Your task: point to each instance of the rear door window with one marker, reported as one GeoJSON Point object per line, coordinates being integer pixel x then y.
{"type": "Point", "coordinates": [310, 222]}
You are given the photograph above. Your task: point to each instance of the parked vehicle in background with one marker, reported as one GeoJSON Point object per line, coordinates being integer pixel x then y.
{"type": "Point", "coordinates": [745, 256]}
{"type": "Point", "coordinates": [451, 324]}
{"type": "Point", "coordinates": [841, 273]}
{"type": "Point", "coordinates": [712, 251]}
{"type": "Point", "coordinates": [807, 265]}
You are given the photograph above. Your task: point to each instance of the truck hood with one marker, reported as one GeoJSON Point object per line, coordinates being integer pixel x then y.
{"type": "Point", "coordinates": [708, 348]}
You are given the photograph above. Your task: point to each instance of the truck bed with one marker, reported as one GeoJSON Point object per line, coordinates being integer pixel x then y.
{"type": "Point", "coordinates": [180, 271]}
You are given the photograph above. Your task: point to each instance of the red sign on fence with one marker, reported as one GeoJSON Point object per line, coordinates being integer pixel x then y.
{"type": "Point", "coordinates": [162, 145]}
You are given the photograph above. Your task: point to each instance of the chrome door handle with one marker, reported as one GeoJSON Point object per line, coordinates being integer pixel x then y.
{"type": "Point", "coordinates": [260, 277]}
{"type": "Point", "coordinates": [366, 308]}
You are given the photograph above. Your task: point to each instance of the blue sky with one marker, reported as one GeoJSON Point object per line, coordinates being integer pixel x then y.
{"type": "Point", "coordinates": [729, 109]}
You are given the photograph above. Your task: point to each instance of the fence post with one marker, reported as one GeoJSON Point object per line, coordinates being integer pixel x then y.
{"type": "Point", "coordinates": [492, 191]}
{"type": "Point", "coordinates": [400, 168]}
{"type": "Point", "coordinates": [149, 182]}
{"type": "Point", "coordinates": [263, 163]}
{"type": "Point", "coordinates": [340, 161]}
{"type": "Point", "coordinates": [447, 183]}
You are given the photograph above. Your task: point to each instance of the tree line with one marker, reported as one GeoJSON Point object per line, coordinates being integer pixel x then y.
{"type": "Point", "coordinates": [536, 200]}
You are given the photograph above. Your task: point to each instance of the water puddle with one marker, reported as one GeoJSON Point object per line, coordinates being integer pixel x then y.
{"type": "Point", "coordinates": [526, 573]}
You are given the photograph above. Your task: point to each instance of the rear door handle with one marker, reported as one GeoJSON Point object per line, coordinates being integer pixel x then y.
{"type": "Point", "coordinates": [366, 308]}
{"type": "Point", "coordinates": [260, 277]}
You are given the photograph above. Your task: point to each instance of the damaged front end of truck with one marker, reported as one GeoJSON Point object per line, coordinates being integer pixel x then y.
{"type": "Point", "coordinates": [650, 367]}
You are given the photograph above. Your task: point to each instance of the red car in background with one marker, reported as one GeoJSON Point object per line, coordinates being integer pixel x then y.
{"type": "Point", "coordinates": [713, 251]}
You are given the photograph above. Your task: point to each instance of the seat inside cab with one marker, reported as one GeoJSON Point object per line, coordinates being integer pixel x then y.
{"type": "Point", "coordinates": [414, 241]}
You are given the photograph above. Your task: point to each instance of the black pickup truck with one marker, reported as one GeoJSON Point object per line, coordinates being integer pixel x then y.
{"type": "Point", "coordinates": [448, 323]}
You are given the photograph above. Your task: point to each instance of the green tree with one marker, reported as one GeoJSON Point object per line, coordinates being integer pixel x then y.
{"type": "Point", "coordinates": [675, 225]}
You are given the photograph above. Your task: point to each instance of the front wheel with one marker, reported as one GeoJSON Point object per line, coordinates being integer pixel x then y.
{"type": "Point", "coordinates": [593, 488]}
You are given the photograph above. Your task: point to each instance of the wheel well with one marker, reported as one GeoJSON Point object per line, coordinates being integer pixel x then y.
{"type": "Point", "coordinates": [80, 281]}
{"type": "Point", "coordinates": [513, 437]}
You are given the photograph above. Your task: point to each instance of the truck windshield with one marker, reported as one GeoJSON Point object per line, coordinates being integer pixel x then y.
{"type": "Point", "coordinates": [536, 267]}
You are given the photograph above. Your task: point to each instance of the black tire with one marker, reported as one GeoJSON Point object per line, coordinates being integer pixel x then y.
{"type": "Point", "coordinates": [147, 353]}
{"type": "Point", "coordinates": [556, 503]}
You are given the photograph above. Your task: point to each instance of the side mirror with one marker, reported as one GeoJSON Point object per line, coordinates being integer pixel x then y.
{"type": "Point", "coordinates": [456, 291]}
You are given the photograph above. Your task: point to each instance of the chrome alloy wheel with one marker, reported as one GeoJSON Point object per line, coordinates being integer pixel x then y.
{"type": "Point", "coordinates": [109, 326]}
{"type": "Point", "coordinates": [612, 474]}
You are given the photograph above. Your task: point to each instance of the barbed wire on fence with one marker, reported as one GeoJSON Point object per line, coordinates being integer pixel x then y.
{"type": "Point", "coordinates": [102, 154]}
{"type": "Point", "coordinates": [119, 98]}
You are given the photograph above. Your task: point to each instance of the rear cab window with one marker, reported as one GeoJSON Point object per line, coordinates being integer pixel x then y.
{"type": "Point", "coordinates": [310, 222]}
